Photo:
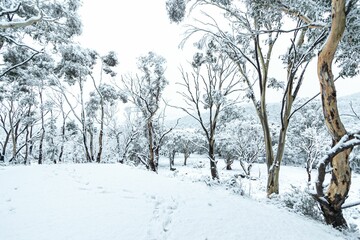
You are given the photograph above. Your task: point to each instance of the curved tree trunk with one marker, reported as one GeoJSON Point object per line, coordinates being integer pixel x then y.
{"type": "Point", "coordinates": [340, 182]}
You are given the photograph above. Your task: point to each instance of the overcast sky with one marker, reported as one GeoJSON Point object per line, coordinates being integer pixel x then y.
{"type": "Point", "coordinates": [133, 28]}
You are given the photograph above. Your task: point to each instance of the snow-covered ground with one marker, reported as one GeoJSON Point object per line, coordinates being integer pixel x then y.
{"type": "Point", "coordinates": [113, 201]}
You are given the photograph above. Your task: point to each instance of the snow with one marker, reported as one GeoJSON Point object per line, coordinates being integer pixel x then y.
{"type": "Point", "coordinates": [114, 201]}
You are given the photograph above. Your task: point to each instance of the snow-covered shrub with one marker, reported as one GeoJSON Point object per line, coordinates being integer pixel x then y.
{"type": "Point", "coordinates": [355, 160]}
{"type": "Point", "coordinates": [199, 164]}
{"type": "Point", "coordinates": [301, 202]}
{"type": "Point", "coordinates": [234, 185]}
{"type": "Point", "coordinates": [231, 183]}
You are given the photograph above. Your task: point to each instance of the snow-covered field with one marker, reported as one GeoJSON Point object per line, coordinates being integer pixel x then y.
{"type": "Point", "coordinates": [113, 201]}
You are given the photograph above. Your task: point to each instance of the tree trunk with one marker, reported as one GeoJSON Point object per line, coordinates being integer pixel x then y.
{"type": "Point", "coordinates": [151, 160]}
{"type": "Point", "coordinates": [91, 140]}
{"type": "Point", "coordinates": [213, 165]}
{"type": "Point", "coordinates": [274, 171]}
{"type": "Point", "coordinates": [13, 133]}
{"type": "Point", "coordinates": [229, 162]}
{"type": "Point", "coordinates": [340, 181]}
{"type": "Point", "coordinates": [172, 160]}
{"type": "Point", "coordinates": [62, 137]}
{"type": "Point", "coordinates": [40, 159]}
{"type": "Point", "coordinates": [101, 133]}
{"type": "Point", "coordinates": [83, 123]}
{"type": "Point", "coordinates": [3, 153]}
{"type": "Point", "coordinates": [186, 156]}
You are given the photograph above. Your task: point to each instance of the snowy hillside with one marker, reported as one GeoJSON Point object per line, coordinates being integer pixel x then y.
{"type": "Point", "coordinates": [90, 202]}
{"type": "Point", "coordinates": [344, 104]}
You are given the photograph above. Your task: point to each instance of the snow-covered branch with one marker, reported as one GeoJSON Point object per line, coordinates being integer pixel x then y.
{"type": "Point", "coordinates": [349, 140]}
{"type": "Point", "coordinates": [22, 22]}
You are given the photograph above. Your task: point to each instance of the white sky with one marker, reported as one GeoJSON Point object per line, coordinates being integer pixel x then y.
{"type": "Point", "coordinates": [133, 28]}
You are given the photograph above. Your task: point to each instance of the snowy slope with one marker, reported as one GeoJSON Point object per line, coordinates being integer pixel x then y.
{"type": "Point", "coordinates": [85, 202]}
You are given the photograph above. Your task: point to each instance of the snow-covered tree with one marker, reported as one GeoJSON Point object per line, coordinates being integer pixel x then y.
{"type": "Point", "coordinates": [103, 96]}
{"type": "Point", "coordinates": [145, 90]}
{"type": "Point", "coordinates": [208, 90]}
{"type": "Point", "coordinates": [332, 199]}
{"type": "Point", "coordinates": [32, 25]}
{"type": "Point", "coordinates": [75, 66]}
{"type": "Point", "coordinates": [241, 139]}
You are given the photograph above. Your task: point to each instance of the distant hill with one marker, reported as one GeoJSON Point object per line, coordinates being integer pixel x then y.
{"type": "Point", "coordinates": [345, 105]}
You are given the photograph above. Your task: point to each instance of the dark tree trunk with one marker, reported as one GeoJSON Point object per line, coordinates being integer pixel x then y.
{"type": "Point", "coordinates": [172, 160]}
{"type": "Point", "coordinates": [151, 160]}
{"type": "Point", "coordinates": [186, 156]}
{"type": "Point", "coordinates": [213, 165]}
{"type": "Point", "coordinates": [40, 160]}
{"type": "Point", "coordinates": [228, 167]}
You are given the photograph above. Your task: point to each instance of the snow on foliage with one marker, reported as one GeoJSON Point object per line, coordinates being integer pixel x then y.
{"type": "Point", "coordinates": [176, 10]}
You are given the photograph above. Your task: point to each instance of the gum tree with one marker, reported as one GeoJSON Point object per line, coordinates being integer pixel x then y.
{"type": "Point", "coordinates": [332, 200]}
{"type": "Point", "coordinates": [209, 86]}
{"type": "Point", "coordinates": [145, 90]}
{"type": "Point", "coordinates": [75, 66]}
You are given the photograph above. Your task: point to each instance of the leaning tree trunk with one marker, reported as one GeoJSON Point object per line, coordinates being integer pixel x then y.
{"type": "Point", "coordinates": [338, 189]}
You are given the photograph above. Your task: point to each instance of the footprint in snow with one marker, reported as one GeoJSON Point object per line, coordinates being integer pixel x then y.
{"type": "Point", "coordinates": [160, 224]}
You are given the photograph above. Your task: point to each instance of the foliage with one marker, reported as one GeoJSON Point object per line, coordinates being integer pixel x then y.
{"type": "Point", "coordinates": [301, 202]}
{"type": "Point", "coordinates": [76, 63]}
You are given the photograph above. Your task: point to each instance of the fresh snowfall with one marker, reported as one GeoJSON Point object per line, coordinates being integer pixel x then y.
{"type": "Point", "coordinates": [115, 201]}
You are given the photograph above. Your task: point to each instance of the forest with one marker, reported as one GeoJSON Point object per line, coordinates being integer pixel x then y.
{"type": "Point", "coordinates": [64, 104]}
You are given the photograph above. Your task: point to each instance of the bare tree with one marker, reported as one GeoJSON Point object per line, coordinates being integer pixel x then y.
{"type": "Point", "coordinates": [209, 86]}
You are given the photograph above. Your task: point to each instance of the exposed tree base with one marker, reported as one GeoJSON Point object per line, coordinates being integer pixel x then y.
{"type": "Point", "coordinates": [152, 166]}
{"type": "Point", "coordinates": [334, 217]}
{"type": "Point", "coordinates": [214, 173]}
{"type": "Point", "coordinates": [273, 181]}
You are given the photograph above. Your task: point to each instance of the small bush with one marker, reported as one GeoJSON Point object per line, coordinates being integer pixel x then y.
{"type": "Point", "coordinates": [299, 201]}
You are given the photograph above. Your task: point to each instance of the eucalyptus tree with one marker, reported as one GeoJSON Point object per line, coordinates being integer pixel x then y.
{"type": "Point", "coordinates": [33, 24]}
{"type": "Point", "coordinates": [40, 77]}
{"type": "Point", "coordinates": [18, 116]}
{"type": "Point", "coordinates": [333, 197]}
{"type": "Point", "coordinates": [19, 102]}
{"type": "Point", "coordinates": [104, 94]}
{"type": "Point", "coordinates": [241, 139]}
{"type": "Point", "coordinates": [75, 67]}
{"type": "Point", "coordinates": [209, 86]}
{"type": "Point", "coordinates": [58, 102]}
{"type": "Point", "coordinates": [145, 90]}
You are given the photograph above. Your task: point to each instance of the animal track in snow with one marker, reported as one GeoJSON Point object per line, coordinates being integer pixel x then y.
{"type": "Point", "coordinates": [160, 224]}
